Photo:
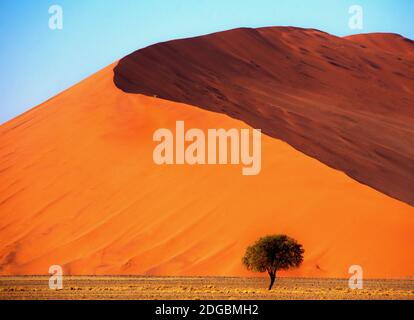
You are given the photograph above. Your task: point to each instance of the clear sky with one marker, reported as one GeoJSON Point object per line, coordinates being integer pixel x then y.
{"type": "Point", "coordinates": [37, 63]}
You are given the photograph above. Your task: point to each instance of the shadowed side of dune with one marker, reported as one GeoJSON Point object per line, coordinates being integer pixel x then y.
{"type": "Point", "coordinates": [347, 102]}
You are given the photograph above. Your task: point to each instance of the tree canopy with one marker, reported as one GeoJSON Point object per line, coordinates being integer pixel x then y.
{"type": "Point", "coordinates": [273, 253]}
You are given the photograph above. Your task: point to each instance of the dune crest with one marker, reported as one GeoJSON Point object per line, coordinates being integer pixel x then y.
{"type": "Point", "coordinates": [389, 42]}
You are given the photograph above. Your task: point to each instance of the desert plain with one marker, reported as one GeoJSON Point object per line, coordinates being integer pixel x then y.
{"type": "Point", "coordinates": [201, 288]}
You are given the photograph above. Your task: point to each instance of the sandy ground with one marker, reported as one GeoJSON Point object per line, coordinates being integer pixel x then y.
{"type": "Point", "coordinates": [204, 288]}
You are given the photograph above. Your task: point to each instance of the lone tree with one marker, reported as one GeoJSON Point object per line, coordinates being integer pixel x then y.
{"type": "Point", "coordinates": [273, 253]}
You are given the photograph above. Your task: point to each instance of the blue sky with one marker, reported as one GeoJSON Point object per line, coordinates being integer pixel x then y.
{"type": "Point", "coordinates": [37, 62]}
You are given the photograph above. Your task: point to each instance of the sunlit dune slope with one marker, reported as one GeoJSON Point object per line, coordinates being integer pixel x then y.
{"type": "Point", "coordinates": [79, 189]}
{"type": "Point", "coordinates": [347, 102]}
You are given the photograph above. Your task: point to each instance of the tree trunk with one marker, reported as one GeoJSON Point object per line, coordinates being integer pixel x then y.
{"type": "Point", "coordinates": [272, 279]}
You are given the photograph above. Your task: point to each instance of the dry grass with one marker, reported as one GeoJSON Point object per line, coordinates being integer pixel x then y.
{"type": "Point", "coordinates": [204, 288]}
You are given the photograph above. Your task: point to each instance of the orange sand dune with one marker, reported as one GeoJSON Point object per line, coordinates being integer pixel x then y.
{"type": "Point", "coordinates": [79, 188]}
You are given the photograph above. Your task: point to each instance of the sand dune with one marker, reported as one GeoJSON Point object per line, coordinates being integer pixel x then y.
{"type": "Point", "coordinates": [347, 102]}
{"type": "Point", "coordinates": [388, 42]}
{"type": "Point", "coordinates": [79, 188]}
